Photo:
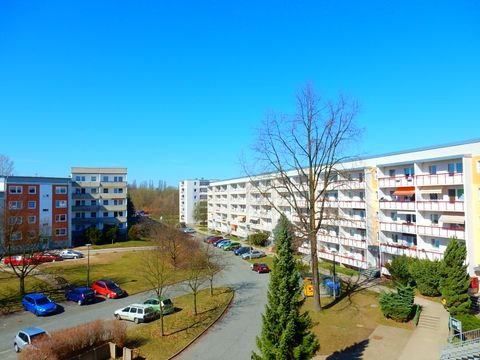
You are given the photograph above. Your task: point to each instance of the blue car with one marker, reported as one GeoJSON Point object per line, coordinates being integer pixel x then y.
{"type": "Point", "coordinates": [39, 304]}
{"type": "Point", "coordinates": [221, 242]}
{"type": "Point", "coordinates": [81, 295]}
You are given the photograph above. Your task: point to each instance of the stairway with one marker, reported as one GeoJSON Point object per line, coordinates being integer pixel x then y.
{"type": "Point", "coordinates": [468, 349]}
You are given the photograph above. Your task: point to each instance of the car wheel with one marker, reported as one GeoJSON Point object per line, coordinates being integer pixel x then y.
{"type": "Point", "coordinates": [36, 313]}
{"type": "Point", "coordinates": [108, 296]}
{"type": "Point", "coordinates": [118, 317]}
{"type": "Point", "coordinates": [79, 302]}
{"type": "Point", "coordinates": [136, 320]}
{"type": "Point", "coordinates": [17, 349]}
{"type": "Point", "coordinates": [75, 257]}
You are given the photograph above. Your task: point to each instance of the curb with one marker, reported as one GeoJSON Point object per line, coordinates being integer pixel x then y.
{"type": "Point", "coordinates": [208, 328]}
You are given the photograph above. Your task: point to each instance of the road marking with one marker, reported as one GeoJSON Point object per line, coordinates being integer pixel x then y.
{"type": "Point", "coordinates": [5, 351]}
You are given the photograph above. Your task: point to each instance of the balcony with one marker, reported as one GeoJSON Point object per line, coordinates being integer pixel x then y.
{"type": "Point", "coordinates": [438, 231]}
{"type": "Point", "coordinates": [397, 205]}
{"type": "Point", "coordinates": [344, 259]}
{"type": "Point", "coordinates": [440, 179]}
{"type": "Point", "coordinates": [398, 249]}
{"type": "Point", "coordinates": [396, 181]}
{"type": "Point", "coordinates": [408, 228]}
{"type": "Point", "coordinates": [435, 205]}
{"type": "Point", "coordinates": [86, 207]}
{"type": "Point", "coordinates": [348, 185]}
{"type": "Point", "coordinates": [346, 222]}
{"type": "Point", "coordinates": [113, 184]}
{"type": "Point", "coordinates": [113, 195]}
{"type": "Point", "coordinates": [357, 243]}
{"type": "Point", "coordinates": [76, 196]}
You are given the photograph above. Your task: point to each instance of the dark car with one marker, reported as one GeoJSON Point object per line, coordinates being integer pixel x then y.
{"type": "Point", "coordinates": [39, 304]}
{"type": "Point", "coordinates": [81, 295]}
{"type": "Point", "coordinates": [108, 289]}
{"type": "Point", "coordinates": [260, 268]}
{"type": "Point", "coordinates": [242, 250]}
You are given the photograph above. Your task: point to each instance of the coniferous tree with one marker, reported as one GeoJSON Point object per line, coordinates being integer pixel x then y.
{"type": "Point", "coordinates": [455, 280]}
{"type": "Point", "coordinates": [398, 306]}
{"type": "Point", "coordinates": [285, 332]}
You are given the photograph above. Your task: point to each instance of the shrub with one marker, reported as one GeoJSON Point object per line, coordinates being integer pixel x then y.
{"type": "Point", "coordinates": [427, 276]}
{"type": "Point", "coordinates": [398, 306]}
{"type": "Point", "coordinates": [259, 239]}
{"type": "Point", "coordinates": [469, 322]}
{"type": "Point", "coordinates": [134, 232]}
{"type": "Point", "coordinates": [63, 344]}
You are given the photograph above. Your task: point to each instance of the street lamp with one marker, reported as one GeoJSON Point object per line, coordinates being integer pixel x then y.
{"type": "Point", "coordinates": [88, 264]}
{"type": "Point", "coordinates": [334, 252]}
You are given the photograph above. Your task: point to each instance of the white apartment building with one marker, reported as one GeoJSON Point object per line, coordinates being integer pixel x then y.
{"type": "Point", "coordinates": [191, 192]}
{"type": "Point", "coordinates": [99, 198]}
{"type": "Point", "coordinates": [408, 203]}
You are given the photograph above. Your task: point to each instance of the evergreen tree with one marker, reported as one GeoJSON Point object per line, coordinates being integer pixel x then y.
{"type": "Point", "coordinates": [455, 280]}
{"type": "Point", "coordinates": [285, 332]}
{"type": "Point", "coordinates": [398, 306]}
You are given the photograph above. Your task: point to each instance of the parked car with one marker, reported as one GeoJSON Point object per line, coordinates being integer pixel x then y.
{"type": "Point", "coordinates": [28, 336]}
{"type": "Point", "coordinates": [219, 241]}
{"type": "Point", "coordinates": [81, 295]}
{"type": "Point", "coordinates": [71, 254]}
{"type": "Point", "coordinates": [242, 250]}
{"type": "Point", "coordinates": [39, 304]}
{"type": "Point", "coordinates": [214, 239]}
{"type": "Point", "coordinates": [222, 244]}
{"type": "Point", "coordinates": [136, 313]}
{"type": "Point", "coordinates": [19, 260]}
{"type": "Point", "coordinates": [166, 303]}
{"type": "Point", "coordinates": [231, 246]}
{"type": "Point", "coordinates": [189, 230]}
{"type": "Point", "coordinates": [108, 288]}
{"type": "Point", "coordinates": [47, 257]}
{"type": "Point", "coordinates": [260, 268]}
{"type": "Point", "coordinates": [253, 254]}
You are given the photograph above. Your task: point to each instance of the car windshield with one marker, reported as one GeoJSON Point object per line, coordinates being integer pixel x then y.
{"type": "Point", "coordinates": [42, 301]}
{"type": "Point", "coordinates": [167, 302]}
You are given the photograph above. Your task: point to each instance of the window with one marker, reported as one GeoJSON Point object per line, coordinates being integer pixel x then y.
{"type": "Point", "coordinates": [435, 243]}
{"type": "Point", "coordinates": [61, 218]}
{"type": "Point", "coordinates": [61, 232]}
{"type": "Point", "coordinates": [393, 216]}
{"type": "Point", "coordinates": [32, 189]}
{"type": "Point", "coordinates": [15, 220]}
{"type": "Point", "coordinates": [60, 204]}
{"type": "Point", "coordinates": [93, 178]}
{"type": "Point", "coordinates": [434, 197]}
{"type": "Point", "coordinates": [120, 213]}
{"type": "Point", "coordinates": [79, 178]}
{"type": "Point", "coordinates": [105, 202]}
{"type": "Point", "coordinates": [105, 191]}
{"type": "Point", "coordinates": [93, 214]}
{"type": "Point", "coordinates": [409, 171]}
{"type": "Point", "coordinates": [77, 215]}
{"type": "Point", "coordinates": [15, 205]}
{"type": "Point", "coordinates": [32, 219]}
{"type": "Point", "coordinates": [61, 190]}
{"type": "Point", "coordinates": [395, 238]}
{"type": "Point", "coordinates": [118, 178]}
{"type": "Point", "coordinates": [93, 190]}
{"type": "Point", "coordinates": [411, 218]}
{"type": "Point", "coordinates": [455, 167]}
{"type": "Point", "coordinates": [17, 235]}
{"type": "Point", "coordinates": [105, 178]}
{"type": "Point", "coordinates": [105, 214]}
{"type": "Point", "coordinates": [432, 169]}
{"type": "Point", "coordinates": [32, 204]}
{"type": "Point", "coordinates": [391, 172]}
{"type": "Point", "coordinates": [460, 194]}
{"type": "Point", "coordinates": [434, 219]}
{"type": "Point", "coordinates": [118, 191]}
{"type": "Point", "coordinates": [93, 202]}
{"type": "Point", "coordinates": [15, 189]}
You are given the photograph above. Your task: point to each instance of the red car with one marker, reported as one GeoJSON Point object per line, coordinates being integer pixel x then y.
{"type": "Point", "coordinates": [260, 268]}
{"type": "Point", "coordinates": [108, 289]}
{"type": "Point", "coordinates": [19, 260]}
{"type": "Point", "coordinates": [47, 257]}
{"type": "Point", "coordinates": [213, 239]}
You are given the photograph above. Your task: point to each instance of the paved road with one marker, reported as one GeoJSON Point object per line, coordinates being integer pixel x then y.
{"type": "Point", "coordinates": [234, 335]}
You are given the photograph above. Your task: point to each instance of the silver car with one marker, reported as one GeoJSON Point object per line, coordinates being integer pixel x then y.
{"type": "Point", "coordinates": [70, 254]}
{"type": "Point", "coordinates": [254, 254]}
{"type": "Point", "coordinates": [26, 336]}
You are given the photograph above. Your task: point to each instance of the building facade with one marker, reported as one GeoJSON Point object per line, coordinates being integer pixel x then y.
{"type": "Point", "coordinates": [407, 203]}
{"type": "Point", "coordinates": [99, 198]}
{"type": "Point", "coordinates": [191, 192]}
{"type": "Point", "coordinates": [36, 208]}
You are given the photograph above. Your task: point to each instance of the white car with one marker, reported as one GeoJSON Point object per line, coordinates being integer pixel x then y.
{"type": "Point", "coordinates": [70, 254]}
{"type": "Point", "coordinates": [26, 336]}
{"type": "Point", "coordinates": [254, 254]}
{"type": "Point", "coordinates": [137, 313]}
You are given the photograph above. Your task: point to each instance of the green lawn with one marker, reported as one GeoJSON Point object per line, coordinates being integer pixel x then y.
{"type": "Point", "coordinates": [120, 244]}
{"type": "Point", "coordinates": [180, 327]}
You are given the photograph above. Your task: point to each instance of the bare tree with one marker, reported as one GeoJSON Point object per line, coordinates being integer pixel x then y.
{"type": "Point", "coordinates": [158, 272]}
{"type": "Point", "coordinates": [196, 275]}
{"type": "Point", "coordinates": [214, 261]}
{"type": "Point", "coordinates": [6, 166]}
{"type": "Point", "coordinates": [304, 153]}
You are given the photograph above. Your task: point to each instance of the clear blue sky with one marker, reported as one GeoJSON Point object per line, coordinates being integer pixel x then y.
{"type": "Point", "coordinates": [175, 90]}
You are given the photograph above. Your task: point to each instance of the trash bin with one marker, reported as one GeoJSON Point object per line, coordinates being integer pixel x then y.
{"type": "Point", "coordinates": [474, 284]}
{"type": "Point", "coordinates": [331, 286]}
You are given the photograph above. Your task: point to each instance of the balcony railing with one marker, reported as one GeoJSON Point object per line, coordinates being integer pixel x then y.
{"type": "Point", "coordinates": [349, 204]}
{"type": "Point", "coordinates": [439, 179]}
{"type": "Point", "coordinates": [434, 205]}
{"type": "Point", "coordinates": [411, 251]}
{"type": "Point", "coordinates": [409, 228]}
{"type": "Point", "coordinates": [343, 241]}
{"type": "Point", "coordinates": [397, 205]}
{"type": "Point", "coordinates": [395, 181]}
{"type": "Point", "coordinates": [348, 185]}
{"type": "Point", "coordinates": [437, 231]}
{"type": "Point", "coordinates": [344, 259]}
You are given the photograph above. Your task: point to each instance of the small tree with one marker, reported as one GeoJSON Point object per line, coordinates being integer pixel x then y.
{"type": "Point", "coordinates": [427, 276]}
{"type": "Point", "coordinates": [110, 233]}
{"type": "Point", "coordinates": [93, 235]}
{"type": "Point", "coordinates": [6, 166]}
{"type": "Point", "coordinates": [259, 238]}
{"type": "Point", "coordinates": [285, 332]}
{"type": "Point", "coordinates": [399, 270]}
{"type": "Point", "coordinates": [196, 275]}
{"type": "Point", "coordinates": [214, 262]}
{"type": "Point", "coordinates": [398, 306]}
{"type": "Point", "coordinates": [455, 281]}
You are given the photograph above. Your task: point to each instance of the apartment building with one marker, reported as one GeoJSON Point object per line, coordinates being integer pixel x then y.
{"type": "Point", "coordinates": [99, 198]}
{"type": "Point", "coordinates": [406, 203]}
{"type": "Point", "coordinates": [191, 192]}
{"type": "Point", "coordinates": [36, 207]}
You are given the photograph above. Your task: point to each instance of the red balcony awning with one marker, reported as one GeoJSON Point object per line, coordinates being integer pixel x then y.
{"type": "Point", "coordinates": [404, 191]}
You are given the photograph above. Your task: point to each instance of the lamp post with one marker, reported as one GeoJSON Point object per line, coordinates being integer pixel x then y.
{"type": "Point", "coordinates": [88, 264]}
{"type": "Point", "coordinates": [334, 252]}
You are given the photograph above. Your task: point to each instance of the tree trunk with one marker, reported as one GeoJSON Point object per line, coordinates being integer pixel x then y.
{"type": "Point", "coordinates": [315, 275]}
{"type": "Point", "coordinates": [161, 322]}
{"type": "Point", "coordinates": [195, 303]}
{"type": "Point", "coordinates": [22, 285]}
{"type": "Point", "coordinates": [211, 286]}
